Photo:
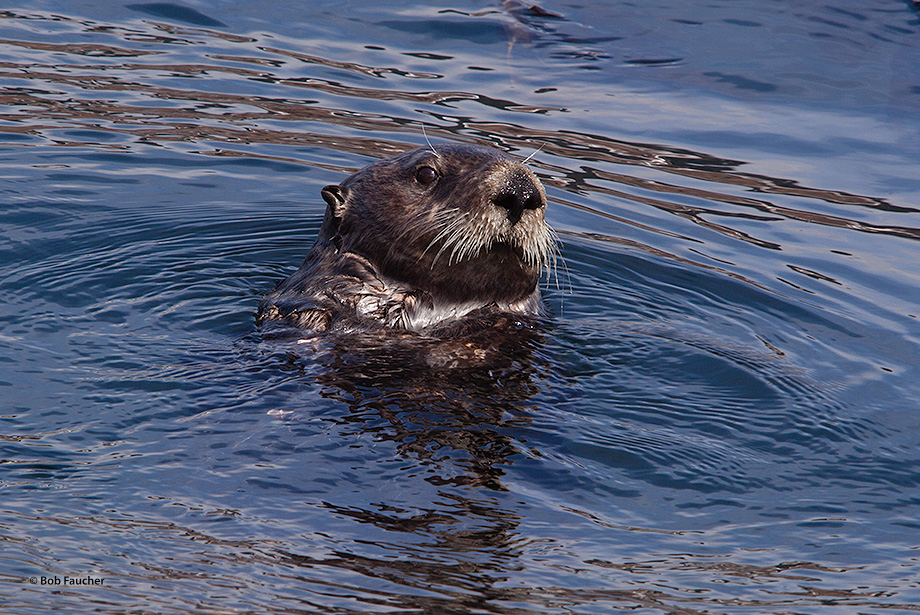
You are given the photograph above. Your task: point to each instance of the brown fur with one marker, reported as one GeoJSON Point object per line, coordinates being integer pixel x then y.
{"type": "Point", "coordinates": [399, 251]}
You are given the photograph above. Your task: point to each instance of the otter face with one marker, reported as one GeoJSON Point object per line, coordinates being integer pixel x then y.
{"type": "Point", "coordinates": [462, 223]}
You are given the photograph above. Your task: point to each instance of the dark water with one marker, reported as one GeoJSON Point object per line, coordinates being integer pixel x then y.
{"type": "Point", "coordinates": [720, 417]}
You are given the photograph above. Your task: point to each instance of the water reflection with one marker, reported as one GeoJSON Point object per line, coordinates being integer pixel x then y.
{"type": "Point", "coordinates": [456, 556]}
{"type": "Point", "coordinates": [148, 104]}
{"type": "Point", "coordinates": [456, 408]}
{"type": "Point", "coordinates": [453, 404]}
{"type": "Point", "coordinates": [461, 557]}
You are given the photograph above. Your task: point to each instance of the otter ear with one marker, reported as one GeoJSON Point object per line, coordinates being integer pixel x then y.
{"type": "Point", "coordinates": [335, 197]}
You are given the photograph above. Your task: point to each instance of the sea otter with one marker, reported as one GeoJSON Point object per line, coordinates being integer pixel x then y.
{"type": "Point", "coordinates": [436, 237]}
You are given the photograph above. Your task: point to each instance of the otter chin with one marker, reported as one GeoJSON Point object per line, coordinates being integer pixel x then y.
{"type": "Point", "coordinates": [421, 240]}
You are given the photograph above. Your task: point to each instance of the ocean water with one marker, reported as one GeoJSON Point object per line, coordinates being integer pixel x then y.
{"type": "Point", "coordinates": [719, 416]}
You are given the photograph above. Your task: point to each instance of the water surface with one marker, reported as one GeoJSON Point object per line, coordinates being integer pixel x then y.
{"type": "Point", "coordinates": [719, 417]}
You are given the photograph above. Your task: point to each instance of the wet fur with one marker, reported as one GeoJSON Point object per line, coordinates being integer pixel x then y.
{"type": "Point", "coordinates": [394, 252]}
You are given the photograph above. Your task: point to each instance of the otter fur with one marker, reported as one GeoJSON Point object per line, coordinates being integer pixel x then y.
{"type": "Point", "coordinates": [424, 239]}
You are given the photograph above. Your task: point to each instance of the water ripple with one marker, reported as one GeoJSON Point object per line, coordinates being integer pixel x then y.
{"type": "Point", "coordinates": [719, 416]}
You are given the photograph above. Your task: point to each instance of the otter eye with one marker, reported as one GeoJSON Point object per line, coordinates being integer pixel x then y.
{"type": "Point", "coordinates": [426, 175]}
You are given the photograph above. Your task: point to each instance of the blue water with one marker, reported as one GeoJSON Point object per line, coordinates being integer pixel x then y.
{"type": "Point", "coordinates": [720, 416]}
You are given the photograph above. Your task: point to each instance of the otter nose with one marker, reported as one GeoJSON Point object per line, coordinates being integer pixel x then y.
{"type": "Point", "coordinates": [517, 194]}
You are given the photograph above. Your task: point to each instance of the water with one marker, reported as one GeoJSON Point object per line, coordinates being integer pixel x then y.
{"type": "Point", "coordinates": [720, 416]}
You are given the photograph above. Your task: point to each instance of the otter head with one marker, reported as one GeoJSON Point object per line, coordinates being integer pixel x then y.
{"type": "Point", "coordinates": [463, 224]}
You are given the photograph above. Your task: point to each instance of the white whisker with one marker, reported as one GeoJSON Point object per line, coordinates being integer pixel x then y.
{"type": "Point", "coordinates": [556, 259]}
{"type": "Point", "coordinates": [421, 220]}
{"type": "Point", "coordinates": [448, 234]}
{"type": "Point", "coordinates": [428, 141]}
{"type": "Point", "coordinates": [535, 152]}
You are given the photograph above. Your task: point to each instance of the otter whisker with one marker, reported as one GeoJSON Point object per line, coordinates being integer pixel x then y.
{"type": "Point", "coordinates": [428, 141]}
{"type": "Point", "coordinates": [465, 247]}
{"type": "Point", "coordinates": [449, 242]}
{"type": "Point", "coordinates": [470, 246]}
{"type": "Point", "coordinates": [451, 225]}
{"type": "Point", "coordinates": [535, 152]}
{"type": "Point", "coordinates": [444, 219]}
{"type": "Point", "coordinates": [458, 242]}
{"type": "Point", "coordinates": [556, 259]}
{"type": "Point", "coordinates": [449, 235]}
{"type": "Point", "coordinates": [369, 268]}
{"type": "Point", "coordinates": [424, 219]}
